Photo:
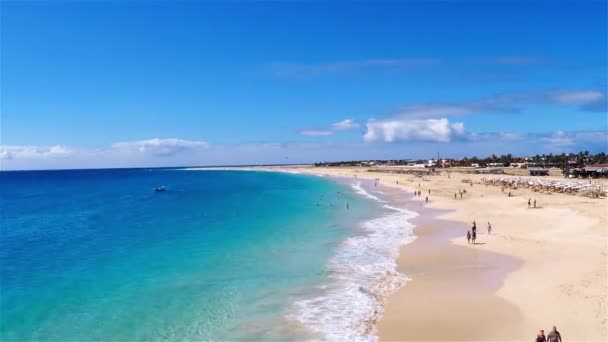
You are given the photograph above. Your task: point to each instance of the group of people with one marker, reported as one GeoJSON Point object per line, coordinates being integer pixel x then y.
{"type": "Point", "coordinates": [419, 194]}
{"type": "Point", "coordinates": [552, 336]}
{"type": "Point", "coordinates": [472, 234]}
{"type": "Point", "coordinates": [460, 192]}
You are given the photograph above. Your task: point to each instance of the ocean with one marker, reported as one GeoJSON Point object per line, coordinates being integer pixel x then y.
{"type": "Point", "coordinates": [221, 255]}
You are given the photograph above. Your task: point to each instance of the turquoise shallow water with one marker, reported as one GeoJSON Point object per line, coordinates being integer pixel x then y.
{"type": "Point", "coordinates": [98, 255]}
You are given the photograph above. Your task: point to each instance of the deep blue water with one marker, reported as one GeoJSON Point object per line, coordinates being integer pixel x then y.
{"type": "Point", "coordinates": [98, 255]}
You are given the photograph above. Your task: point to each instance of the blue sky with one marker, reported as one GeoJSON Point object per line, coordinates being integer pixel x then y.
{"type": "Point", "coordinates": [111, 84]}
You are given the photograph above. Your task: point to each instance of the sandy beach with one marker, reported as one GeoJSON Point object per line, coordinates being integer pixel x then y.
{"type": "Point", "coordinates": [539, 267]}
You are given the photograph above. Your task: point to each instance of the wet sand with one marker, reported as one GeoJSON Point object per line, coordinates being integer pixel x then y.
{"type": "Point", "coordinates": [445, 278]}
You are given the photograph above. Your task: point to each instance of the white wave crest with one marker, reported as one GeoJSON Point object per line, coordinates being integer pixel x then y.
{"type": "Point", "coordinates": [363, 274]}
{"type": "Point", "coordinates": [358, 189]}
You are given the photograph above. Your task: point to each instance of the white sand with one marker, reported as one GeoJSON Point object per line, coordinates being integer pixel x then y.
{"type": "Point", "coordinates": [560, 279]}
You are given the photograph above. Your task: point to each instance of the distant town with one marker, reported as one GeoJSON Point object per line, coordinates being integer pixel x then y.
{"type": "Point", "coordinates": [580, 165]}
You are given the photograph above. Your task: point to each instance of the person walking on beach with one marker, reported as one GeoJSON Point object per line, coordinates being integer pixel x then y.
{"type": "Point", "coordinates": [540, 337]}
{"type": "Point", "coordinates": [474, 229]}
{"type": "Point", "coordinates": [469, 237]}
{"type": "Point", "coordinates": [535, 203]}
{"type": "Point", "coordinates": [489, 228]}
{"type": "Point", "coordinates": [529, 202]}
{"type": "Point", "coordinates": [474, 237]}
{"type": "Point", "coordinates": [554, 335]}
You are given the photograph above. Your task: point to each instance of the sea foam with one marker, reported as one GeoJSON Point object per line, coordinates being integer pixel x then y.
{"type": "Point", "coordinates": [358, 189]}
{"type": "Point", "coordinates": [363, 273]}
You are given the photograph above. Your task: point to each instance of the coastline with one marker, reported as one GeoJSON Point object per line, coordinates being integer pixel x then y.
{"type": "Point", "coordinates": [539, 268]}
{"type": "Point", "coordinates": [362, 272]}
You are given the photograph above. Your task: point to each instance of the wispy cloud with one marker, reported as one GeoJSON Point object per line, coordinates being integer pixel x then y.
{"type": "Point", "coordinates": [344, 125]}
{"type": "Point", "coordinates": [316, 133]}
{"type": "Point", "coordinates": [518, 60]}
{"type": "Point", "coordinates": [8, 152]}
{"type": "Point", "coordinates": [561, 139]}
{"type": "Point", "coordinates": [577, 97]}
{"type": "Point", "coordinates": [160, 147]}
{"type": "Point", "coordinates": [427, 134]}
{"type": "Point", "coordinates": [344, 67]}
{"type": "Point", "coordinates": [585, 100]}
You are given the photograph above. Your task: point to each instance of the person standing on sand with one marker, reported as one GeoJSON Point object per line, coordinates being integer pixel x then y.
{"type": "Point", "coordinates": [474, 229]}
{"type": "Point", "coordinates": [454, 195]}
{"type": "Point", "coordinates": [529, 202]}
{"type": "Point", "coordinates": [541, 336]}
{"type": "Point", "coordinates": [489, 228]}
{"type": "Point", "coordinates": [535, 203]}
{"type": "Point", "coordinates": [469, 237]}
{"type": "Point", "coordinates": [427, 199]}
{"type": "Point", "coordinates": [554, 335]}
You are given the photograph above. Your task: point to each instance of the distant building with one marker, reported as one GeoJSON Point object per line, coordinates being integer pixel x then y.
{"type": "Point", "coordinates": [490, 170]}
{"type": "Point", "coordinates": [538, 172]}
{"type": "Point", "coordinates": [596, 170]}
{"type": "Point", "coordinates": [496, 165]}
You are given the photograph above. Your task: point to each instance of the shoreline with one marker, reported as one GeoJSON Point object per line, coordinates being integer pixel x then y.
{"type": "Point", "coordinates": [553, 261]}
{"type": "Point", "coordinates": [445, 272]}
{"type": "Point", "coordinates": [362, 272]}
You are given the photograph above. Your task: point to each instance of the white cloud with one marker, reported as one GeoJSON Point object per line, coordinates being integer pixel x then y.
{"type": "Point", "coordinates": [160, 147]}
{"type": "Point", "coordinates": [344, 125]}
{"type": "Point", "coordinates": [8, 152]}
{"type": "Point", "coordinates": [402, 129]}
